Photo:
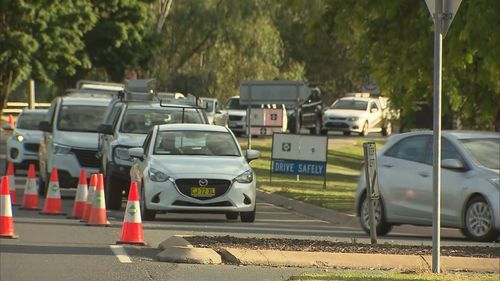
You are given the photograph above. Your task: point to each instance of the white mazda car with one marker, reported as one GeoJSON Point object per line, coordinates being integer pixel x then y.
{"type": "Point", "coordinates": [194, 168]}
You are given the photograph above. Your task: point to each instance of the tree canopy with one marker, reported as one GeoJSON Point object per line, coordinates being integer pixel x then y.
{"type": "Point", "coordinates": [207, 47]}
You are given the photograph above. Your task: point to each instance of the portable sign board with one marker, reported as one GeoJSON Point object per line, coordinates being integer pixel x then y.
{"type": "Point", "coordinates": [266, 121]}
{"type": "Point", "coordinates": [299, 154]}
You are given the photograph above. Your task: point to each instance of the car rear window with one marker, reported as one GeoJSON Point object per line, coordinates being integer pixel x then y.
{"type": "Point", "coordinates": [485, 151]}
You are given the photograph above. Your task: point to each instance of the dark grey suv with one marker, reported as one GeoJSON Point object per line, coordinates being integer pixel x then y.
{"type": "Point", "coordinates": [310, 114]}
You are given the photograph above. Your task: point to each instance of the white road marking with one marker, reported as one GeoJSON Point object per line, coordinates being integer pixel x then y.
{"type": "Point", "coordinates": [194, 227]}
{"type": "Point", "coordinates": [120, 253]}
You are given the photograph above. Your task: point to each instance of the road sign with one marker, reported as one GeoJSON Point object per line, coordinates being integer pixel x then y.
{"type": "Point", "coordinates": [299, 155]}
{"type": "Point", "coordinates": [370, 154]}
{"type": "Point", "coordinates": [273, 92]}
{"type": "Point", "coordinates": [449, 7]}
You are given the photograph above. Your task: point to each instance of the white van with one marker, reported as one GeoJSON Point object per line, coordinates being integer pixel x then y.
{"type": "Point", "coordinates": [70, 137]}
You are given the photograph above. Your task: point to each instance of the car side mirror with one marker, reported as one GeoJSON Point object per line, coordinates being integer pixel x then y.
{"type": "Point", "coordinates": [136, 152]}
{"type": "Point", "coordinates": [252, 154]}
{"type": "Point", "coordinates": [106, 129]}
{"type": "Point", "coordinates": [44, 126]}
{"type": "Point", "coordinates": [454, 164]}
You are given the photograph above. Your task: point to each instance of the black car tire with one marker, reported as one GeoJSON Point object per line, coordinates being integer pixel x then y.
{"type": "Point", "coordinates": [387, 129]}
{"type": "Point", "coordinates": [43, 186]}
{"type": "Point", "coordinates": [113, 188]}
{"type": "Point", "coordinates": [146, 214]}
{"type": "Point", "coordinates": [478, 221]}
{"type": "Point", "coordinates": [232, 216]}
{"type": "Point", "coordinates": [382, 226]}
{"type": "Point", "coordinates": [364, 130]}
{"type": "Point", "coordinates": [248, 216]}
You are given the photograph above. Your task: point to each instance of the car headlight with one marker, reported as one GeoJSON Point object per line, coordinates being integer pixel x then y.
{"type": "Point", "coordinates": [122, 154]}
{"type": "Point", "coordinates": [495, 182]}
{"type": "Point", "coordinates": [156, 175]}
{"type": "Point", "coordinates": [352, 118]}
{"type": "Point", "coordinates": [61, 149]}
{"type": "Point", "coordinates": [246, 177]}
{"type": "Point", "coordinates": [19, 138]}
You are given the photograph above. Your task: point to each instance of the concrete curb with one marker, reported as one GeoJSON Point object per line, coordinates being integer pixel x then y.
{"type": "Point", "coordinates": [357, 261]}
{"type": "Point", "coordinates": [189, 255]}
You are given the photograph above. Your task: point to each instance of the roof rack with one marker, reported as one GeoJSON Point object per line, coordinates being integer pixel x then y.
{"type": "Point", "coordinates": [358, 95]}
{"type": "Point", "coordinates": [89, 93]}
{"type": "Point", "coordinates": [138, 90]}
{"type": "Point", "coordinates": [99, 85]}
{"type": "Point", "coordinates": [189, 101]}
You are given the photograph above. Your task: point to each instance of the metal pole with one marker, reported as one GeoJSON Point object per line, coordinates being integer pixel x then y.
{"type": "Point", "coordinates": [249, 112]}
{"type": "Point", "coordinates": [32, 100]}
{"type": "Point", "coordinates": [436, 172]}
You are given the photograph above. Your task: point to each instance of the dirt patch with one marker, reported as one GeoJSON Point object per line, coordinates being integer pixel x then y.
{"type": "Point", "coordinates": [217, 242]}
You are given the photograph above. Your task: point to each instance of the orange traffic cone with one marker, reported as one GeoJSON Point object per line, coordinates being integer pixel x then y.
{"type": "Point", "coordinates": [98, 211]}
{"type": "Point", "coordinates": [80, 197]}
{"type": "Point", "coordinates": [12, 184]}
{"type": "Point", "coordinates": [132, 225]}
{"type": "Point", "coordinates": [90, 198]}
{"type": "Point", "coordinates": [53, 204]}
{"type": "Point", "coordinates": [30, 196]}
{"type": "Point", "coordinates": [6, 221]}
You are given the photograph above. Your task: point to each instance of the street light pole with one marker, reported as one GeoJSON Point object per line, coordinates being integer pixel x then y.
{"type": "Point", "coordinates": [436, 173]}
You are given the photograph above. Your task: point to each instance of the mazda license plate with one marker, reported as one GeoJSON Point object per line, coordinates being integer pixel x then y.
{"type": "Point", "coordinates": [203, 191]}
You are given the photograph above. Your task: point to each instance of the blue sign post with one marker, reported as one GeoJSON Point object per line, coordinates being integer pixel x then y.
{"type": "Point", "coordinates": [299, 155]}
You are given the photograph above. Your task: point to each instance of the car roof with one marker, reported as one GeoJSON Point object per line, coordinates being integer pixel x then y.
{"type": "Point", "coordinates": [155, 104]}
{"type": "Point", "coordinates": [192, 127]}
{"type": "Point", "coordinates": [35, 110]}
{"type": "Point", "coordinates": [457, 134]}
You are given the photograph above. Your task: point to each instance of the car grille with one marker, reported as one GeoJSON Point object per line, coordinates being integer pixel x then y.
{"type": "Point", "coordinates": [336, 125]}
{"type": "Point", "coordinates": [336, 118]}
{"type": "Point", "coordinates": [191, 204]}
{"type": "Point", "coordinates": [86, 158]}
{"type": "Point", "coordinates": [31, 146]}
{"type": "Point", "coordinates": [221, 187]}
{"type": "Point", "coordinates": [235, 118]}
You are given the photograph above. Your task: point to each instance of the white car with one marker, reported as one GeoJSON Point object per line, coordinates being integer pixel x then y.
{"type": "Point", "coordinates": [194, 168]}
{"type": "Point", "coordinates": [470, 188]}
{"type": "Point", "coordinates": [214, 111]}
{"type": "Point", "coordinates": [358, 113]}
{"type": "Point", "coordinates": [23, 144]}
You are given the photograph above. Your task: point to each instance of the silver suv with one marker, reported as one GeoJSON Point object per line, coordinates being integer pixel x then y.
{"type": "Point", "coordinates": [126, 125]}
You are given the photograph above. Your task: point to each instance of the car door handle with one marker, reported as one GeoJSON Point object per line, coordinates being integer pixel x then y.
{"type": "Point", "coordinates": [387, 166]}
{"type": "Point", "coordinates": [424, 174]}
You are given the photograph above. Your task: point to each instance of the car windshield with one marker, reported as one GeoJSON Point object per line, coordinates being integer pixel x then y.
{"type": "Point", "coordinates": [29, 121]}
{"type": "Point", "coordinates": [350, 104]}
{"type": "Point", "coordinates": [234, 104]}
{"type": "Point", "coordinates": [195, 143]}
{"type": "Point", "coordinates": [486, 151]}
{"type": "Point", "coordinates": [140, 120]}
{"type": "Point", "coordinates": [80, 118]}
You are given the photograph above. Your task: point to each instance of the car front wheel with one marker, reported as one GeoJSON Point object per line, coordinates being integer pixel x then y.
{"type": "Point", "coordinates": [248, 216]}
{"type": "Point", "coordinates": [146, 214]}
{"type": "Point", "coordinates": [478, 221]}
{"type": "Point", "coordinates": [382, 226]}
{"type": "Point", "coordinates": [113, 188]}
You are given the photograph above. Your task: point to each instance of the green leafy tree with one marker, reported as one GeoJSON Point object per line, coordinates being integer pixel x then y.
{"type": "Point", "coordinates": [394, 39]}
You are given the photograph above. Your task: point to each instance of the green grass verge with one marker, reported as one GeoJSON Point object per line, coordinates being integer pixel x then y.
{"type": "Point", "coordinates": [393, 277]}
{"type": "Point", "coordinates": [344, 165]}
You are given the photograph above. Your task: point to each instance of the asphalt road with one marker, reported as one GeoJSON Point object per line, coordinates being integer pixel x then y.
{"type": "Point", "coordinates": [56, 248]}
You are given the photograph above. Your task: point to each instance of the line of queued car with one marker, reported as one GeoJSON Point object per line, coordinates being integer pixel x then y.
{"type": "Point", "coordinates": [97, 126]}
{"type": "Point", "coordinates": [199, 167]}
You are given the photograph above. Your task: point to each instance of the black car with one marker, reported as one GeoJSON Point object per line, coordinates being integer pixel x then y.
{"type": "Point", "coordinates": [310, 114]}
